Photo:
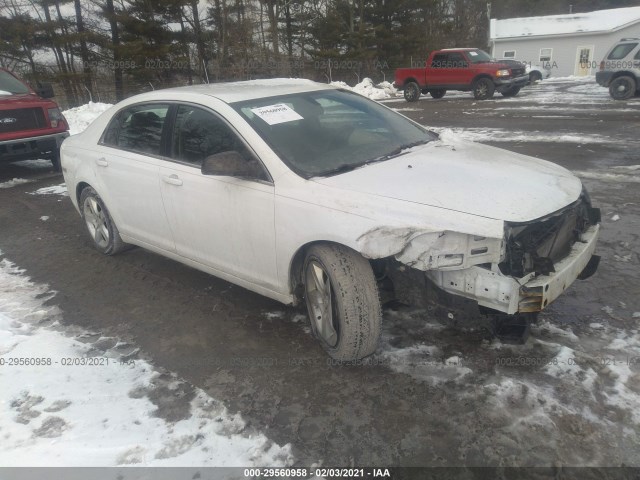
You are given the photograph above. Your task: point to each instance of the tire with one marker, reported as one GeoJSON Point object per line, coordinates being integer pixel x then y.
{"type": "Point", "coordinates": [100, 225]}
{"type": "Point", "coordinates": [55, 161]}
{"type": "Point", "coordinates": [622, 88]}
{"type": "Point", "coordinates": [534, 77]}
{"type": "Point", "coordinates": [346, 319]}
{"type": "Point", "coordinates": [483, 89]}
{"type": "Point", "coordinates": [511, 92]}
{"type": "Point", "coordinates": [437, 93]}
{"type": "Point", "coordinates": [411, 92]}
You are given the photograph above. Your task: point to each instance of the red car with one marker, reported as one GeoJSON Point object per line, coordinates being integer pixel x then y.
{"type": "Point", "coordinates": [464, 69]}
{"type": "Point", "coordinates": [31, 126]}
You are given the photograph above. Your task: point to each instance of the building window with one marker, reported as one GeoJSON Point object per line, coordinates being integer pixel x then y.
{"type": "Point", "coordinates": [509, 54]}
{"type": "Point", "coordinates": [545, 54]}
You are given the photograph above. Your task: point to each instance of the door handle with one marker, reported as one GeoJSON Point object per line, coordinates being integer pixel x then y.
{"type": "Point", "coordinates": [102, 162]}
{"type": "Point", "coordinates": [172, 179]}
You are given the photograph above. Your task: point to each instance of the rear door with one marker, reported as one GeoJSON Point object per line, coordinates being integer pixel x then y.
{"type": "Point", "coordinates": [437, 74]}
{"type": "Point", "coordinates": [126, 166]}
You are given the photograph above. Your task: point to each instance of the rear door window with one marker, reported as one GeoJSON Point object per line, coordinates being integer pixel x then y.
{"type": "Point", "coordinates": [138, 129]}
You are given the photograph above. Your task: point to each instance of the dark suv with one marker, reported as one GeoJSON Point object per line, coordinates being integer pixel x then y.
{"type": "Point", "coordinates": [620, 69]}
{"type": "Point", "coordinates": [31, 126]}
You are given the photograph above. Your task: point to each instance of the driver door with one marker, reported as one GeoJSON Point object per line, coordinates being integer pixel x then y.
{"type": "Point", "coordinates": [225, 223]}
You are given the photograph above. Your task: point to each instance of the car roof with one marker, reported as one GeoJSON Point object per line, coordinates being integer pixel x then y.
{"type": "Point", "coordinates": [230, 92]}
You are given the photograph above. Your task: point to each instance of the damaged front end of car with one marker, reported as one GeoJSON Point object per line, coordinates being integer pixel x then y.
{"type": "Point", "coordinates": [503, 281]}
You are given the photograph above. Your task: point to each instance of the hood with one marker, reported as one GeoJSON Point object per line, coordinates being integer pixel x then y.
{"type": "Point", "coordinates": [467, 177]}
{"type": "Point", "coordinates": [10, 102]}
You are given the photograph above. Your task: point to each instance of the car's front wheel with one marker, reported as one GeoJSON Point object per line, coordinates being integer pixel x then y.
{"type": "Point", "coordinates": [622, 88]}
{"type": "Point", "coordinates": [483, 89]}
{"type": "Point", "coordinates": [342, 300]}
{"type": "Point", "coordinates": [535, 76]}
{"type": "Point", "coordinates": [100, 225]}
{"type": "Point", "coordinates": [411, 92]}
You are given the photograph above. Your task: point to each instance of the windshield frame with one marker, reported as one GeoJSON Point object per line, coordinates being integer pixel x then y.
{"type": "Point", "coordinates": [9, 82]}
{"type": "Point", "coordinates": [238, 106]}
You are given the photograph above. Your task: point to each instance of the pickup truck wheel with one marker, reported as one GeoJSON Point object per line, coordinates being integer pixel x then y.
{"type": "Point", "coordinates": [411, 92]}
{"type": "Point", "coordinates": [622, 88]}
{"type": "Point", "coordinates": [342, 300]}
{"type": "Point", "coordinates": [534, 76]}
{"type": "Point", "coordinates": [55, 161]}
{"type": "Point", "coordinates": [100, 225]}
{"type": "Point", "coordinates": [483, 89]}
{"type": "Point", "coordinates": [511, 92]}
{"type": "Point", "coordinates": [437, 93]}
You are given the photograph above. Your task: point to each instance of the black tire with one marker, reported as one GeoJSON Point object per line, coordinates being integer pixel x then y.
{"type": "Point", "coordinates": [355, 315]}
{"type": "Point", "coordinates": [483, 89]}
{"type": "Point", "coordinates": [411, 92]}
{"type": "Point", "coordinates": [622, 87]}
{"type": "Point", "coordinates": [511, 92]}
{"type": "Point", "coordinates": [97, 218]}
{"type": "Point", "coordinates": [55, 161]}
{"type": "Point", "coordinates": [534, 76]}
{"type": "Point", "coordinates": [437, 93]}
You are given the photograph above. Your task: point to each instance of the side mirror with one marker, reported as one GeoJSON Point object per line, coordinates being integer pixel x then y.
{"type": "Point", "coordinates": [227, 164]}
{"type": "Point", "coordinates": [44, 90]}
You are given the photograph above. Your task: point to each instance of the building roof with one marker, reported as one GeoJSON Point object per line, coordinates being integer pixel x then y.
{"type": "Point", "coordinates": [600, 21]}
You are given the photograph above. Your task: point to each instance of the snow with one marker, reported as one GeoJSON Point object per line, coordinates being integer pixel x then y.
{"type": "Point", "coordinates": [101, 415]}
{"type": "Point", "coordinates": [44, 218]}
{"type": "Point", "coordinates": [504, 135]}
{"type": "Point", "coordinates": [576, 23]}
{"type": "Point", "coordinates": [368, 89]}
{"type": "Point", "coordinates": [53, 190]}
{"type": "Point", "coordinates": [13, 183]}
{"type": "Point", "coordinates": [80, 117]}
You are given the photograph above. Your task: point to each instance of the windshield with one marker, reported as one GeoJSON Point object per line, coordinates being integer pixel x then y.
{"type": "Point", "coordinates": [10, 84]}
{"type": "Point", "coordinates": [331, 131]}
{"type": "Point", "coordinates": [478, 56]}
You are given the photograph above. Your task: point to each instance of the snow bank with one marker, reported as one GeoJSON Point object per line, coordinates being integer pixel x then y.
{"type": "Point", "coordinates": [54, 413]}
{"type": "Point", "coordinates": [80, 117]}
{"type": "Point", "coordinates": [13, 183]}
{"type": "Point", "coordinates": [368, 89]}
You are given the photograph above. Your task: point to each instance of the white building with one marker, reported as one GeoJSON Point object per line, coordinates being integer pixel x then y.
{"type": "Point", "coordinates": [572, 44]}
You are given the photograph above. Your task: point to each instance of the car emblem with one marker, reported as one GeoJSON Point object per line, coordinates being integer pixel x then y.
{"type": "Point", "coordinates": [8, 120]}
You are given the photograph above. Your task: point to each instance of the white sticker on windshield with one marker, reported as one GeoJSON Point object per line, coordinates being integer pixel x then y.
{"type": "Point", "coordinates": [274, 114]}
{"type": "Point", "coordinates": [473, 54]}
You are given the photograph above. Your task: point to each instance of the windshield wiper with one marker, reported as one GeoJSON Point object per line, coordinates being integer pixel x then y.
{"type": "Point", "coordinates": [394, 153]}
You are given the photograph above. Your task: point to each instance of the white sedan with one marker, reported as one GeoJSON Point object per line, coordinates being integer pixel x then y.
{"type": "Point", "coordinates": [303, 192]}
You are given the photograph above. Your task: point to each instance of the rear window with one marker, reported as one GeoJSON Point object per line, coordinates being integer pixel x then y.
{"type": "Point", "coordinates": [11, 85]}
{"type": "Point", "coordinates": [621, 51]}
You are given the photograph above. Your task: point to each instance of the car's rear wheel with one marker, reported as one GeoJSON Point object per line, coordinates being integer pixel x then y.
{"type": "Point", "coordinates": [511, 92]}
{"type": "Point", "coordinates": [55, 161]}
{"type": "Point", "coordinates": [535, 76]}
{"type": "Point", "coordinates": [483, 89]}
{"type": "Point", "coordinates": [622, 88]}
{"type": "Point", "coordinates": [411, 92]}
{"type": "Point", "coordinates": [342, 300]}
{"type": "Point", "coordinates": [100, 225]}
{"type": "Point", "coordinates": [437, 93]}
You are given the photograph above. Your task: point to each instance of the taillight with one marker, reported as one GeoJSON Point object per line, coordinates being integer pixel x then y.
{"type": "Point", "coordinates": [56, 118]}
{"type": "Point", "coordinates": [602, 66]}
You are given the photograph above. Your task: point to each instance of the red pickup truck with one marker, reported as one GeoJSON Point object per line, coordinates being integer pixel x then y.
{"type": "Point", "coordinates": [31, 126]}
{"type": "Point", "coordinates": [465, 69]}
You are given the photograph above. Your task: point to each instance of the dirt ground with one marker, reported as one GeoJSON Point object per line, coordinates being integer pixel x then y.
{"type": "Point", "coordinates": [433, 395]}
